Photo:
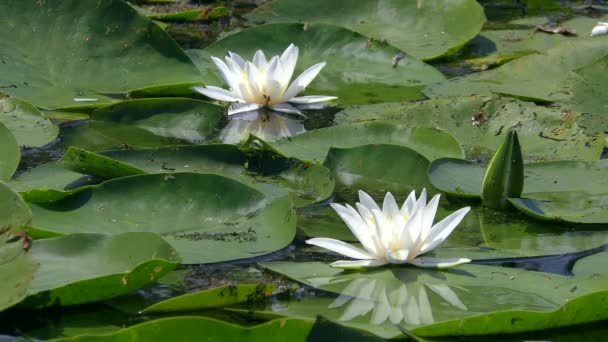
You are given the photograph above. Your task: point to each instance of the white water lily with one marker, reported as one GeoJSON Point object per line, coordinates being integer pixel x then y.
{"type": "Point", "coordinates": [263, 83]}
{"type": "Point", "coordinates": [392, 234]}
{"type": "Point", "coordinates": [599, 29]}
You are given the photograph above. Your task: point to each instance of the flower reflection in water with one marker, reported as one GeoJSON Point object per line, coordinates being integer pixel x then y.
{"type": "Point", "coordinates": [264, 124]}
{"type": "Point", "coordinates": [392, 301]}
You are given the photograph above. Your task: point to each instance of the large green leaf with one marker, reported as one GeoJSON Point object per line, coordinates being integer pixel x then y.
{"type": "Point", "coordinates": [83, 268]}
{"type": "Point", "coordinates": [187, 328]}
{"type": "Point", "coordinates": [109, 50]}
{"type": "Point", "coordinates": [567, 206]}
{"type": "Point", "coordinates": [205, 217]}
{"type": "Point", "coordinates": [16, 265]}
{"type": "Point", "coordinates": [378, 169]}
{"type": "Point", "coordinates": [504, 175]}
{"type": "Point", "coordinates": [257, 165]}
{"type": "Point", "coordinates": [213, 298]}
{"type": "Point", "coordinates": [358, 70]}
{"type": "Point", "coordinates": [314, 145]}
{"type": "Point", "coordinates": [479, 123]}
{"type": "Point", "coordinates": [436, 29]}
{"type": "Point", "coordinates": [29, 126]}
{"type": "Point", "coordinates": [539, 77]}
{"type": "Point", "coordinates": [468, 300]}
{"type": "Point", "coordinates": [10, 154]}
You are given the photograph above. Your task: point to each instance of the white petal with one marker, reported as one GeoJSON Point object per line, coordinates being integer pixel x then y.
{"type": "Point", "coordinates": [428, 262]}
{"type": "Point", "coordinates": [340, 247]}
{"type": "Point", "coordinates": [398, 257]}
{"type": "Point", "coordinates": [367, 201]}
{"type": "Point", "coordinates": [426, 313]}
{"type": "Point", "coordinates": [357, 226]}
{"type": "Point", "coordinates": [289, 59]}
{"type": "Point", "coordinates": [259, 60]}
{"type": "Point", "coordinates": [382, 308]}
{"type": "Point", "coordinates": [358, 307]}
{"type": "Point", "coordinates": [237, 59]}
{"type": "Point", "coordinates": [254, 80]}
{"type": "Point", "coordinates": [285, 108]}
{"type": "Point", "coordinates": [384, 229]}
{"type": "Point", "coordinates": [448, 295]}
{"type": "Point", "coordinates": [389, 206]}
{"type": "Point", "coordinates": [443, 229]}
{"type": "Point", "coordinates": [599, 29]}
{"type": "Point", "coordinates": [413, 227]}
{"type": "Point", "coordinates": [231, 79]}
{"type": "Point", "coordinates": [236, 108]}
{"type": "Point", "coordinates": [357, 263]}
{"type": "Point", "coordinates": [218, 93]}
{"type": "Point", "coordinates": [428, 216]}
{"type": "Point", "coordinates": [274, 89]}
{"type": "Point", "coordinates": [408, 205]}
{"type": "Point", "coordinates": [300, 83]}
{"type": "Point", "coordinates": [311, 99]}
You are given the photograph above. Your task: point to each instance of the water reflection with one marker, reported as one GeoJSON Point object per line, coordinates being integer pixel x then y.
{"type": "Point", "coordinates": [267, 125]}
{"type": "Point", "coordinates": [394, 301]}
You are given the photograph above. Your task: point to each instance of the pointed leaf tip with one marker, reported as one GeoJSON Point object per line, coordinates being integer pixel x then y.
{"type": "Point", "coordinates": [504, 176]}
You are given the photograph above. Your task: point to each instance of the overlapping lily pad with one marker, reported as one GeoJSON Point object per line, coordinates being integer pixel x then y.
{"type": "Point", "coordinates": [205, 217]}
{"type": "Point", "coordinates": [436, 29]}
{"type": "Point", "coordinates": [83, 268]}
{"type": "Point", "coordinates": [110, 50]}
{"type": "Point", "coordinates": [479, 123]}
{"type": "Point", "coordinates": [10, 154]}
{"type": "Point", "coordinates": [358, 70]}
{"type": "Point", "coordinates": [537, 77]}
{"type": "Point", "coordinates": [29, 126]}
{"type": "Point", "coordinates": [572, 206]}
{"type": "Point", "coordinates": [314, 145]}
{"type": "Point", "coordinates": [257, 165]}
{"type": "Point", "coordinates": [469, 300]}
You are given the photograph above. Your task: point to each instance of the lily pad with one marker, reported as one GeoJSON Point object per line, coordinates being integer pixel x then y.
{"type": "Point", "coordinates": [479, 123]}
{"type": "Point", "coordinates": [258, 165]}
{"type": "Point", "coordinates": [571, 206]}
{"type": "Point", "coordinates": [468, 300]}
{"type": "Point", "coordinates": [110, 50]}
{"type": "Point", "coordinates": [10, 154]}
{"type": "Point", "coordinates": [378, 168]}
{"type": "Point", "coordinates": [537, 77]}
{"type": "Point", "coordinates": [213, 298]}
{"type": "Point", "coordinates": [435, 29]}
{"type": "Point", "coordinates": [313, 145]}
{"type": "Point", "coordinates": [29, 126]}
{"type": "Point", "coordinates": [205, 217]}
{"type": "Point", "coordinates": [83, 268]}
{"type": "Point", "coordinates": [358, 70]}
{"type": "Point", "coordinates": [14, 212]}
{"type": "Point", "coordinates": [183, 328]}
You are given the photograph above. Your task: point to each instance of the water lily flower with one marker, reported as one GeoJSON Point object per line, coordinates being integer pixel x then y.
{"type": "Point", "coordinates": [599, 29]}
{"type": "Point", "coordinates": [393, 235]}
{"type": "Point", "coordinates": [263, 83]}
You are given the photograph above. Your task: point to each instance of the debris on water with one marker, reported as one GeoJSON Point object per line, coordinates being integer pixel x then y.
{"type": "Point", "coordinates": [85, 99]}
{"type": "Point", "coordinates": [398, 58]}
{"type": "Point", "coordinates": [600, 29]}
{"type": "Point", "coordinates": [556, 28]}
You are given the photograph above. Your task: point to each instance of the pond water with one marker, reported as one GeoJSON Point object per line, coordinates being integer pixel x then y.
{"type": "Point", "coordinates": [513, 254]}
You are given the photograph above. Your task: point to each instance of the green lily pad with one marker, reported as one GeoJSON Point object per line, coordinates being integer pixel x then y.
{"type": "Point", "coordinates": [358, 70]}
{"type": "Point", "coordinates": [29, 126]}
{"type": "Point", "coordinates": [83, 268]}
{"type": "Point", "coordinates": [205, 217]}
{"type": "Point", "coordinates": [463, 178]}
{"type": "Point", "coordinates": [16, 265]}
{"type": "Point", "coordinates": [537, 77]}
{"type": "Point", "coordinates": [436, 29]}
{"type": "Point", "coordinates": [379, 168]}
{"type": "Point", "coordinates": [570, 206]}
{"type": "Point", "coordinates": [591, 266]}
{"type": "Point", "coordinates": [213, 298]}
{"type": "Point", "coordinates": [314, 145]}
{"type": "Point", "coordinates": [261, 167]}
{"type": "Point", "coordinates": [183, 328]}
{"type": "Point", "coordinates": [468, 300]}
{"type": "Point", "coordinates": [10, 154]}
{"type": "Point", "coordinates": [479, 123]}
{"type": "Point", "coordinates": [62, 62]}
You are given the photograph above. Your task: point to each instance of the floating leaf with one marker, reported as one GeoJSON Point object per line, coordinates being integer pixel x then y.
{"type": "Point", "coordinates": [504, 175]}
{"type": "Point", "coordinates": [110, 50]}
{"type": "Point", "coordinates": [205, 217]}
{"type": "Point", "coordinates": [29, 126]}
{"type": "Point", "coordinates": [358, 69]}
{"type": "Point", "coordinates": [84, 268]}
{"type": "Point", "coordinates": [427, 32]}
{"type": "Point", "coordinates": [10, 154]}
{"type": "Point", "coordinates": [567, 206]}
{"type": "Point", "coordinates": [314, 145]}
